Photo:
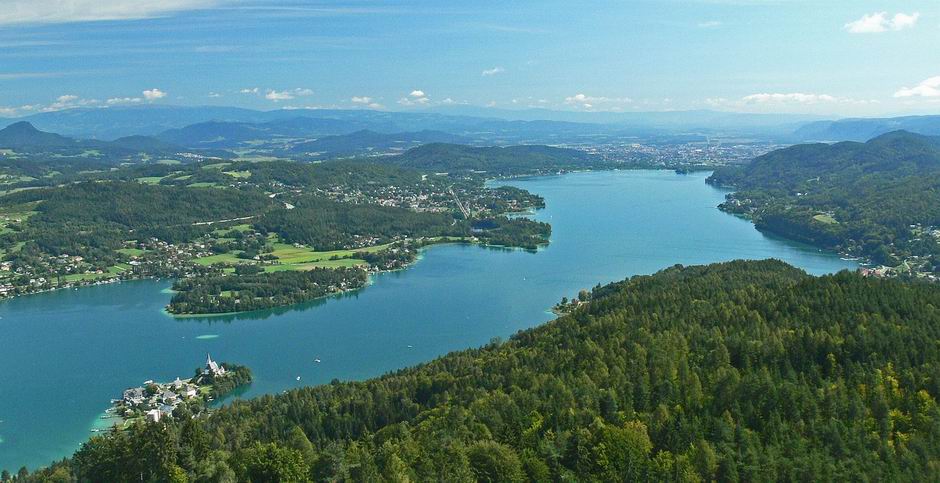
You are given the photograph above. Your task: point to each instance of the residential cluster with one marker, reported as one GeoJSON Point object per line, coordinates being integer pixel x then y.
{"type": "Point", "coordinates": [155, 400]}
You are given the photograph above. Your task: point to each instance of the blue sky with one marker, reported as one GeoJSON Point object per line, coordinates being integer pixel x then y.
{"type": "Point", "coordinates": [826, 57]}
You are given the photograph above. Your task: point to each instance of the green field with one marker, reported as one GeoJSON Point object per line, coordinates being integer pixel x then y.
{"type": "Point", "coordinates": [225, 232]}
{"type": "Point", "coordinates": [238, 174]}
{"type": "Point", "coordinates": [825, 218]}
{"type": "Point", "coordinates": [202, 185]}
{"type": "Point", "coordinates": [170, 162]}
{"type": "Point", "coordinates": [296, 258]}
{"type": "Point", "coordinates": [342, 263]}
{"type": "Point", "coordinates": [10, 178]}
{"type": "Point", "coordinates": [9, 215]}
{"type": "Point", "coordinates": [150, 179]}
{"type": "Point", "coordinates": [218, 166]}
{"type": "Point", "coordinates": [132, 252]}
{"type": "Point", "coordinates": [112, 271]}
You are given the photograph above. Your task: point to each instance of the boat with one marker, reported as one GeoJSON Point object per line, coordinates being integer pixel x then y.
{"type": "Point", "coordinates": [317, 360]}
{"type": "Point", "coordinates": [298, 378]}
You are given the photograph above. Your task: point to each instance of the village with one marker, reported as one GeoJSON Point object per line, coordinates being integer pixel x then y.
{"type": "Point", "coordinates": [154, 401]}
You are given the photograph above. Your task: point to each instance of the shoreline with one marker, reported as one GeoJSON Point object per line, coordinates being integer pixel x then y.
{"type": "Point", "coordinates": [418, 257]}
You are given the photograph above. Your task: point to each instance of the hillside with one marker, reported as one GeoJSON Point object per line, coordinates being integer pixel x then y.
{"type": "Point", "coordinates": [525, 159]}
{"type": "Point", "coordinates": [23, 136]}
{"type": "Point", "coordinates": [878, 199]}
{"type": "Point", "coordinates": [224, 134]}
{"type": "Point", "coordinates": [747, 371]}
{"type": "Point", "coordinates": [30, 157]}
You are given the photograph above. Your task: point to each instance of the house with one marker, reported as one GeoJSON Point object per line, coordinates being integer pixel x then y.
{"type": "Point", "coordinates": [154, 415]}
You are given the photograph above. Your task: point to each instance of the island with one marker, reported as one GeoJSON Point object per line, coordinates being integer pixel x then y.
{"type": "Point", "coordinates": [219, 294]}
{"type": "Point", "coordinates": [180, 398]}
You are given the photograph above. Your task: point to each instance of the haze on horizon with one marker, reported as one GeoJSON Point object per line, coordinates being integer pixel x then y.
{"type": "Point", "coordinates": [838, 58]}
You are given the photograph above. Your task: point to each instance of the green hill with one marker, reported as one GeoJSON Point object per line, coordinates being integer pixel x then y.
{"type": "Point", "coordinates": [742, 371]}
{"type": "Point", "coordinates": [879, 199]}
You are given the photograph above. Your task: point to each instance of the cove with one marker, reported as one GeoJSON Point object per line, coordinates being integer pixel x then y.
{"type": "Point", "coordinates": [65, 354]}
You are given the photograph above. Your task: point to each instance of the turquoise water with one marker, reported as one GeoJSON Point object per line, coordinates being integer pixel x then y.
{"type": "Point", "coordinates": [65, 354]}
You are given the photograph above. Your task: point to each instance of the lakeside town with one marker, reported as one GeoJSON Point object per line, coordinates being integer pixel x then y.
{"type": "Point", "coordinates": [180, 398]}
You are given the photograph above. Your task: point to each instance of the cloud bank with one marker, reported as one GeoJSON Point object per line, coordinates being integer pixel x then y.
{"type": "Point", "coordinates": [880, 22]}
{"type": "Point", "coordinates": [928, 88]}
{"type": "Point", "coordinates": [63, 11]}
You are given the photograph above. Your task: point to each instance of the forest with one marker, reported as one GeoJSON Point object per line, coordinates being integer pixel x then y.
{"type": "Point", "coordinates": [93, 219]}
{"type": "Point", "coordinates": [255, 291]}
{"type": "Point", "coordinates": [329, 225]}
{"type": "Point", "coordinates": [879, 200]}
{"type": "Point", "coordinates": [739, 371]}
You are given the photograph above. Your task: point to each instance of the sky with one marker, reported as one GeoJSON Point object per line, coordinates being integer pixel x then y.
{"type": "Point", "coordinates": [839, 58]}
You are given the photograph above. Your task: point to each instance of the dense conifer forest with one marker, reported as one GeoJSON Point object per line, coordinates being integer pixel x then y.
{"type": "Point", "coordinates": [740, 371]}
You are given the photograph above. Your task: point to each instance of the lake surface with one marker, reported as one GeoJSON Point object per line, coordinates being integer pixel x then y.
{"type": "Point", "coordinates": [65, 354]}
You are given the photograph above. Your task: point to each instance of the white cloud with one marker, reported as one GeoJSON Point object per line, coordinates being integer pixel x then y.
{"type": "Point", "coordinates": [277, 96]}
{"type": "Point", "coordinates": [880, 22]}
{"type": "Point", "coordinates": [67, 101]}
{"type": "Point", "coordinates": [116, 101]}
{"type": "Point", "coordinates": [584, 101]}
{"type": "Point", "coordinates": [493, 71]}
{"type": "Point", "coordinates": [215, 95]}
{"type": "Point", "coordinates": [62, 11]}
{"type": "Point", "coordinates": [710, 24]}
{"type": "Point", "coordinates": [792, 101]}
{"type": "Point", "coordinates": [417, 97]}
{"type": "Point", "coordinates": [153, 94]}
{"type": "Point", "coordinates": [250, 90]}
{"type": "Point", "coordinates": [788, 98]}
{"type": "Point", "coordinates": [366, 101]}
{"type": "Point", "coordinates": [928, 88]}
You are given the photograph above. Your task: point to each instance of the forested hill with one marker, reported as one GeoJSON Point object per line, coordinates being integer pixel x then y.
{"type": "Point", "coordinates": [742, 371]}
{"type": "Point", "coordinates": [895, 154]}
{"type": "Point", "coordinates": [879, 199]}
{"type": "Point", "coordinates": [523, 159]}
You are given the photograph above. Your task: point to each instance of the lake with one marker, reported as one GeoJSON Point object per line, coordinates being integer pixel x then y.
{"type": "Point", "coordinates": [65, 354]}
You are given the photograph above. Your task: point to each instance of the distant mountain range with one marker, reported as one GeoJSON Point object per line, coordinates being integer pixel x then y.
{"type": "Point", "coordinates": [23, 137]}
{"type": "Point", "coordinates": [27, 151]}
{"type": "Point", "coordinates": [227, 127]}
{"type": "Point", "coordinates": [863, 129]}
{"type": "Point", "coordinates": [493, 124]}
